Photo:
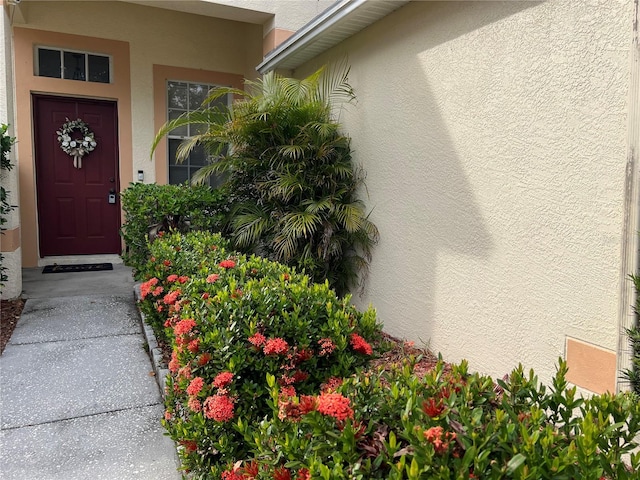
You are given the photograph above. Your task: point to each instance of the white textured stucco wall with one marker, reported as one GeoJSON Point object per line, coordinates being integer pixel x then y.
{"type": "Point", "coordinates": [156, 36]}
{"type": "Point", "coordinates": [9, 179]}
{"type": "Point", "coordinates": [493, 136]}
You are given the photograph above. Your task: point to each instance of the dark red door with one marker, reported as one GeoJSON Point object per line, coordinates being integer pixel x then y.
{"type": "Point", "coordinates": [75, 216]}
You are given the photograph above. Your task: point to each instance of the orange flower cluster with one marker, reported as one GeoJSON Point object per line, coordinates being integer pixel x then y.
{"type": "Point", "coordinates": [326, 346]}
{"type": "Point", "coordinates": [218, 408]}
{"type": "Point", "coordinates": [335, 405]}
{"type": "Point", "coordinates": [257, 340]}
{"type": "Point", "coordinates": [194, 404]}
{"type": "Point", "coordinates": [439, 438]}
{"type": "Point", "coordinates": [171, 297]}
{"type": "Point", "coordinates": [174, 364]}
{"type": "Point", "coordinates": [195, 386]}
{"type": "Point", "coordinates": [275, 346]}
{"type": "Point", "coordinates": [227, 264]}
{"type": "Point", "coordinates": [213, 278]}
{"type": "Point", "coordinates": [184, 326]}
{"type": "Point", "coordinates": [222, 379]}
{"type": "Point", "coordinates": [150, 288]}
{"type": "Point", "coordinates": [292, 408]}
{"type": "Point", "coordinates": [248, 472]}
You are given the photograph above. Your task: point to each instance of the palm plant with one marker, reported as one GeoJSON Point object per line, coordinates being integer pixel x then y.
{"type": "Point", "coordinates": [290, 177]}
{"type": "Point", "coordinates": [633, 374]}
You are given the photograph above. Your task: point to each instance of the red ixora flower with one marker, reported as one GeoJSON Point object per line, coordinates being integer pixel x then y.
{"type": "Point", "coordinates": [194, 404]}
{"type": "Point", "coordinates": [303, 474]}
{"type": "Point", "coordinates": [232, 475]}
{"type": "Point", "coordinates": [195, 386]}
{"type": "Point", "coordinates": [227, 264]}
{"type": "Point", "coordinates": [258, 339]}
{"type": "Point", "coordinates": [184, 326]}
{"type": "Point", "coordinates": [147, 287]}
{"type": "Point", "coordinates": [174, 364]}
{"type": "Point", "coordinates": [288, 391]}
{"type": "Point", "coordinates": [223, 379]}
{"type": "Point", "coordinates": [190, 446]}
{"type": "Point", "coordinates": [275, 346]}
{"type": "Point", "coordinates": [218, 408]}
{"type": "Point", "coordinates": [331, 384]}
{"type": "Point", "coordinates": [281, 473]}
{"type": "Point", "coordinates": [433, 407]}
{"type": "Point", "coordinates": [204, 359]}
{"type": "Point", "coordinates": [213, 278]}
{"type": "Point", "coordinates": [335, 405]}
{"type": "Point", "coordinates": [307, 404]}
{"type": "Point", "coordinates": [326, 346]}
{"type": "Point", "coordinates": [166, 263]}
{"type": "Point", "coordinates": [360, 345]}
{"type": "Point", "coordinates": [194, 345]}
{"type": "Point", "coordinates": [439, 438]}
{"type": "Point", "coordinates": [172, 278]}
{"type": "Point", "coordinates": [170, 298]}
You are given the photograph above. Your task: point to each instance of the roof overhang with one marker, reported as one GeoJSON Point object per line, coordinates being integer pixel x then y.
{"type": "Point", "coordinates": [337, 23]}
{"type": "Point", "coordinates": [209, 8]}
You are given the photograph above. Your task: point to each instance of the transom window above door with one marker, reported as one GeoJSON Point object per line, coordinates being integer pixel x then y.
{"type": "Point", "coordinates": [184, 97]}
{"type": "Point", "coordinates": [72, 65]}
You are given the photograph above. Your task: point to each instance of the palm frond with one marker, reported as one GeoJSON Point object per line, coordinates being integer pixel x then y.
{"type": "Point", "coordinates": [299, 224]}
{"type": "Point", "coordinates": [250, 223]}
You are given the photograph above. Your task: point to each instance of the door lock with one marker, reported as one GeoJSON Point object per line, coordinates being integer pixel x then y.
{"type": "Point", "coordinates": [112, 196]}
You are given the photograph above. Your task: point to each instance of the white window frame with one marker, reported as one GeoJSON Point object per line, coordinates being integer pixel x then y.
{"type": "Point", "coordinates": [211, 87]}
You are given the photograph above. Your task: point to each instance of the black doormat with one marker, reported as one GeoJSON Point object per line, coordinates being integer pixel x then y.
{"type": "Point", "coordinates": [85, 267]}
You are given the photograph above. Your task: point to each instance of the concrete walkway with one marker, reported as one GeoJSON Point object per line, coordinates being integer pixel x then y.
{"type": "Point", "coordinates": [78, 400]}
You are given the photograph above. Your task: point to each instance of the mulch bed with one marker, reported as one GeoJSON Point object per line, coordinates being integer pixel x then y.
{"type": "Point", "coordinates": [10, 311]}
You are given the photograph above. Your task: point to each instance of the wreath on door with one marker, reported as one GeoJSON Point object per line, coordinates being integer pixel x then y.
{"type": "Point", "coordinates": [76, 140]}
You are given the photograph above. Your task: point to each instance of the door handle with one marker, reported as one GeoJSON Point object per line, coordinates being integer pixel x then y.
{"type": "Point", "coordinates": [112, 196]}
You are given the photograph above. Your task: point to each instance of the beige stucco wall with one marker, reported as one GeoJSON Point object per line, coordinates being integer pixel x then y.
{"type": "Point", "coordinates": [287, 14]}
{"type": "Point", "coordinates": [9, 179]}
{"type": "Point", "coordinates": [494, 135]}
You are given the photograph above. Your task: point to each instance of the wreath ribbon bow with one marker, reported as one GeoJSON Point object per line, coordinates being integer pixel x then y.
{"type": "Point", "coordinates": [74, 146]}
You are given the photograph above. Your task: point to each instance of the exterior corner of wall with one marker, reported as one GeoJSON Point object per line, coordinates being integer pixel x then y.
{"type": "Point", "coordinates": [273, 38]}
{"type": "Point", "coordinates": [12, 288]}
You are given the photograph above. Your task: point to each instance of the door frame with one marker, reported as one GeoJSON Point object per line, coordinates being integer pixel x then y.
{"type": "Point", "coordinates": [27, 83]}
{"type": "Point", "coordinates": [35, 97]}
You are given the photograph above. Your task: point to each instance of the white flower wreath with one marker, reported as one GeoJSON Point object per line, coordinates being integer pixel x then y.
{"type": "Point", "coordinates": [77, 147]}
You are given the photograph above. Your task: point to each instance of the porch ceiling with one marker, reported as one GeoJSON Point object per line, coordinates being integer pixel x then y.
{"type": "Point", "coordinates": [208, 8]}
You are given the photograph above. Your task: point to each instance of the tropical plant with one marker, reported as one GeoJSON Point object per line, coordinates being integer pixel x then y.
{"type": "Point", "coordinates": [289, 170]}
{"type": "Point", "coordinates": [6, 142]}
{"type": "Point", "coordinates": [633, 374]}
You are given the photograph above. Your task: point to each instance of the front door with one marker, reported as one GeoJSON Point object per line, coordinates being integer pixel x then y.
{"type": "Point", "coordinates": [78, 206]}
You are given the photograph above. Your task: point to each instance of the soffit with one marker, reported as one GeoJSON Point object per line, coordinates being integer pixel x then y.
{"type": "Point", "coordinates": [208, 8]}
{"type": "Point", "coordinates": [337, 23]}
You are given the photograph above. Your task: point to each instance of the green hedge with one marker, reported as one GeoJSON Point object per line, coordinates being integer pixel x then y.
{"type": "Point", "coordinates": [155, 208]}
{"type": "Point", "coordinates": [266, 383]}
{"type": "Point", "coordinates": [450, 425]}
{"type": "Point", "coordinates": [232, 321]}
